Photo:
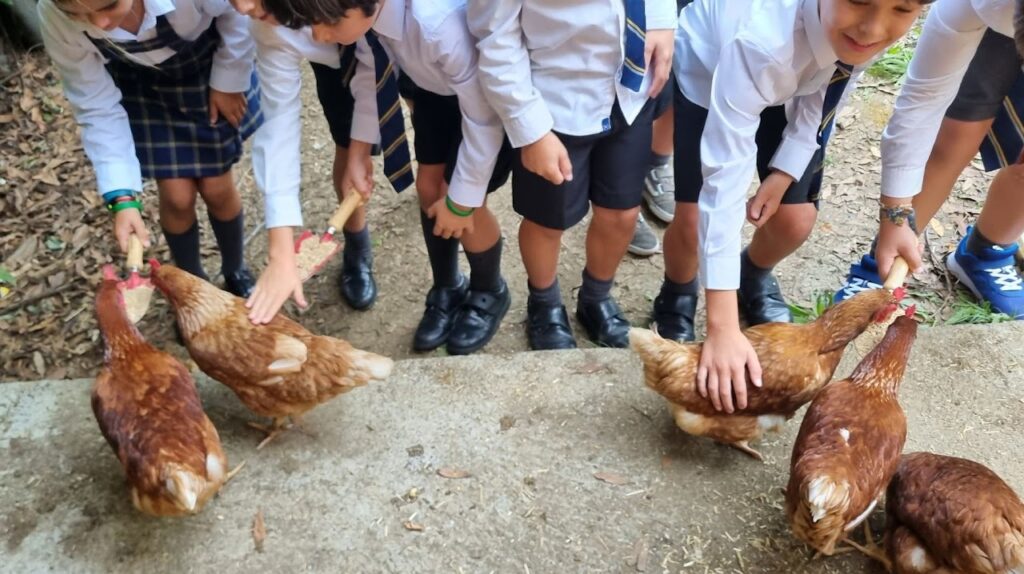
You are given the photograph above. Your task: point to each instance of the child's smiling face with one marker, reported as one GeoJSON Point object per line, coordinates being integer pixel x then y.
{"type": "Point", "coordinates": [104, 14]}
{"type": "Point", "coordinates": [860, 29]}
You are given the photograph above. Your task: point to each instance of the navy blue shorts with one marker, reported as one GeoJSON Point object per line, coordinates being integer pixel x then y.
{"type": "Point", "coordinates": [608, 170]}
{"type": "Point", "coordinates": [989, 79]}
{"type": "Point", "coordinates": [437, 123]}
{"type": "Point", "coordinates": [688, 130]}
{"type": "Point", "coordinates": [335, 95]}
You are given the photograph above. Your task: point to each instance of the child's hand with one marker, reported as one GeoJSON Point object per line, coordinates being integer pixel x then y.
{"type": "Point", "coordinates": [232, 106]}
{"type": "Point", "coordinates": [127, 222]}
{"type": "Point", "coordinates": [658, 55]}
{"type": "Point", "coordinates": [359, 173]}
{"type": "Point", "coordinates": [727, 356]}
{"type": "Point", "coordinates": [896, 240]}
{"type": "Point", "coordinates": [278, 281]}
{"type": "Point", "coordinates": [548, 158]}
{"type": "Point", "coordinates": [446, 223]}
{"type": "Point", "coordinates": [766, 201]}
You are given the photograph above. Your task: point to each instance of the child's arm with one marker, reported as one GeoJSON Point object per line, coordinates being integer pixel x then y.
{"type": "Point", "coordinates": [662, 20]}
{"type": "Point", "coordinates": [951, 35]}
{"type": "Point", "coordinates": [231, 73]}
{"type": "Point", "coordinates": [747, 80]}
{"type": "Point", "coordinates": [483, 134]}
{"type": "Point", "coordinates": [96, 102]}
{"type": "Point", "coordinates": [365, 124]}
{"type": "Point", "coordinates": [276, 165]}
{"type": "Point", "coordinates": [507, 83]}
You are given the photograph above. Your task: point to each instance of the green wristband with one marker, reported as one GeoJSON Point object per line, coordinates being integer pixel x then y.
{"type": "Point", "coordinates": [122, 205]}
{"type": "Point", "coordinates": [460, 212]}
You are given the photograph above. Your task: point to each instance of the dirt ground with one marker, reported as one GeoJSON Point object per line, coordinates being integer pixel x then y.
{"type": "Point", "coordinates": [54, 235]}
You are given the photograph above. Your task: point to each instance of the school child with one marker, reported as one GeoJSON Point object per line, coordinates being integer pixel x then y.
{"type": "Point", "coordinates": [459, 146]}
{"type": "Point", "coordinates": [759, 84]}
{"type": "Point", "coordinates": [572, 83]}
{"type": "Point", "coordinates": [964, 90]}
{"type": "Point", "coordinates": [163, 89]}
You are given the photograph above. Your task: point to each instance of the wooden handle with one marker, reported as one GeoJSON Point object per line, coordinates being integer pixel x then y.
{"type": "Point", "coordinates": [134, 258]}
{"type": "Point", "coordinates": [345, 210]}
{"type": "Point", "coordinates": [897, 274]}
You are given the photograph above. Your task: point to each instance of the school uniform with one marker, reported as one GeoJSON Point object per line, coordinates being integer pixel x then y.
{"type": "Point", "coordinates": [430, 43]}
{"type": "Point", "coordinates": [143, 103]}
{"type": "Point", "coordinates": [143, 99]}
{"type": "Point", "coordinates": [559, 67]}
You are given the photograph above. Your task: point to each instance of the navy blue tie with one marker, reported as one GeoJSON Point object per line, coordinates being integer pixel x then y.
{"type": "Point", "coordinates": [393, 143]}
{"type": "Point", "coordinates": [833, 94]}
{"type": "Point", "coordinates": [634, 67]}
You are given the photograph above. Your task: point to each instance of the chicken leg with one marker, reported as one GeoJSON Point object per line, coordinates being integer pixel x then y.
{"type": "Point", "coordinates": [744, 446]}
{"type": "Point", "coordinates": [871, 549]}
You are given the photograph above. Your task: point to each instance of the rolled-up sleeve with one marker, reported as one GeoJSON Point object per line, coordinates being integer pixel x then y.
{"type": "Point", "coordinates": [365, 123]}
{"type": "Point", "coordinates": [800, 137]}
{"type": "Point", "coordinates": [95, 101]}
{"type": "Point", "coordinates": [662, 15]}
{"type": "Point", "coordinates": [233, 61]}
{"type": "Point", "coordinates": [729, 156]}
{"type": "Point", "coordinates": [276, 160]}
{"type": "Point", "coordinates": [505, 70]}
{"type": "Point", "coordinates": [951, 35]}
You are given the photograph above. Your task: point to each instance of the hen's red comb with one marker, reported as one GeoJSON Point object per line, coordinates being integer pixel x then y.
{"type": "Point", "coordinates": [899, 293]}
{"type": "Point", "coordinates": [154, 264]}
{"type": "Point", "coordinates": [109, 274]}
{"type": "Point", "coordinates": [909, 311]}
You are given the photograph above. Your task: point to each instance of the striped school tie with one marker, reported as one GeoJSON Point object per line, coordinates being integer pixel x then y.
{"type": "Point", "coordinates": [833, 94]}
{"type": "Point", "coordinates": [393, 143]}
{"type": "Point", "coordinates": [634, 67]}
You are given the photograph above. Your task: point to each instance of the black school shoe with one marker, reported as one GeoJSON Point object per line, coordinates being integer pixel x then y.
{"type": "Point", "coordinates": [604, 322]}
{"type": "Point", "coordinates": [547, 327]}
{"type": "Point", "coordinates": [761, 300]}
{"type": "Point", "coordinates": [356, 283]}
{"type": "Point", "coordinates": [672, 317]}
{"type": "Point", "coordinates": [240, 283]}
{"type": "Point", "coordinates": [478, 320]}
{"type": "Point", "coordinates": [442, 305]}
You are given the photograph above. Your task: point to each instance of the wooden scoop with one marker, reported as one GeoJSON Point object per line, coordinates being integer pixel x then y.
{"type": "Point", "coordinates": [874, 333]}
{"type": "Point", "coordinates": [136, 289]}
{"type": "Point", "coordinates": [312, 252]}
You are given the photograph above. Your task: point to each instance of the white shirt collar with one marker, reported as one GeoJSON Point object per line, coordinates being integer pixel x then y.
{"type": "Point", "coordinates": [824, 55]}
{"type": "Point", "coordinates": [391, 19]}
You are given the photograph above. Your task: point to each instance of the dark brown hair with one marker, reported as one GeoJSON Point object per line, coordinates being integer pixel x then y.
{"type": "Point", "coordinates": [299, 13]}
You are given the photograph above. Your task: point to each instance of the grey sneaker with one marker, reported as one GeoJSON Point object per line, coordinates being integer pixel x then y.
{"type": "Point", "coordinates": [645, 243]}
{"type": "Point", "coordinates": [660, 192]}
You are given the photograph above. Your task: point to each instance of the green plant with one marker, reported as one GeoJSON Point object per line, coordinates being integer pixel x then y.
{"type": "Point", "coordinates": [967, 311]}
{"type": "Point", "coordinates": [893, 65]}
{"type": "Point", "coordinates": [806, 314]}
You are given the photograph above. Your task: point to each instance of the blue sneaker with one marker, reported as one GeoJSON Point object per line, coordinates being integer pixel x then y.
{"type": "Point", "coordinates": [863, 276]}
{"type": "Point", "coordinates": [992, 276]}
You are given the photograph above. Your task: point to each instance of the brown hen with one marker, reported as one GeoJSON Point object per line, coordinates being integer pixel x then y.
{"type": "Point", "coordinates": [146, 404]}
{"type": "Point", "coordinates": [849, 444]}
{"type": "Point", "coordinates": [947, 515]}
{"type": "Point", "coordinates": [279, 370]}
{"type": "Point", "coordinates": [797, 361]}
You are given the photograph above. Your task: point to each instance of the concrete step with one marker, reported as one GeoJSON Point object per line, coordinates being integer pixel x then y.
{"type": "Point", "coordinates": [531, 429]}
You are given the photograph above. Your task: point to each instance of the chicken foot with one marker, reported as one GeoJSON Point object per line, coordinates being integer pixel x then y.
{"type": "Point", "coordinates": [744, 446]}
{"type": "Point", "coordinates": [871, 549]}
{"type": "Point", "coordinates": [279, 425]}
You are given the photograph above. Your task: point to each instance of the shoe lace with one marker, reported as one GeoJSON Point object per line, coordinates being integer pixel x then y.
{"type": "Point", "coordinates": [1007, 278]}
{"type": "Point", "coordinates": [855, 285]}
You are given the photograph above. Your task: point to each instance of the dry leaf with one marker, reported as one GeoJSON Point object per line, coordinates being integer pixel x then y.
{"type": "Point", "coordinates": [37, 360]}
{"type": "Point", "coordinates": [640, 553]}
{"type": "Point", "coordinates": [47, 177]}
{"type": "Point", "coordinates": [937, 226]}
{"type": "Point", "coordinates": [453, 473]}
{"type": "Point", "coordinates": [6, 118]}
{"type": "Point", "coordinates": [410, 525]}
{"type": "Point", "coordinates": [259, 530]}
{"type": "Point", "coordinates": [611, 478]}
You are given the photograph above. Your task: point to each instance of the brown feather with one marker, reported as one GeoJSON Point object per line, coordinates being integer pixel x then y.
{"type": "Point", "coordinates": [147, 407]}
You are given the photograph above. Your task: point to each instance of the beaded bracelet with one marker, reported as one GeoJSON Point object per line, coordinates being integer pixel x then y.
{"type": "Point", "coordinates": [122, 205]}
{"type": "Point", "coordinates": [454, 209]}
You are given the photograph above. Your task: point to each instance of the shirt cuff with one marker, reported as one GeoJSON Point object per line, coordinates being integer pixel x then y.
{"type": "Point", "coordinates": [792, 158]}
{"type": "Point", "coordinates": [110, 177]}
{"type": "Point", "coordinates": [721, 272]}
{"type": "Point", "coordinates": [529, 125]}
{"type": "Point", "coordinates": [283, 210]}
{"type": "Point", "coordinates": [467, 194]}
{"type": "Point", "coordinates": [902, 182]}
{"type": "Point", "coordinates": [234, 79]}
{"type": "Point", "coordinates": [365, 128]}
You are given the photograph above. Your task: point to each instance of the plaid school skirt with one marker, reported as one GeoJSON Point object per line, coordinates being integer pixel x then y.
{"type": "Point", "coordinates": [1005, 140]}
{"type": "Point", "coordinates": [168, 106]}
